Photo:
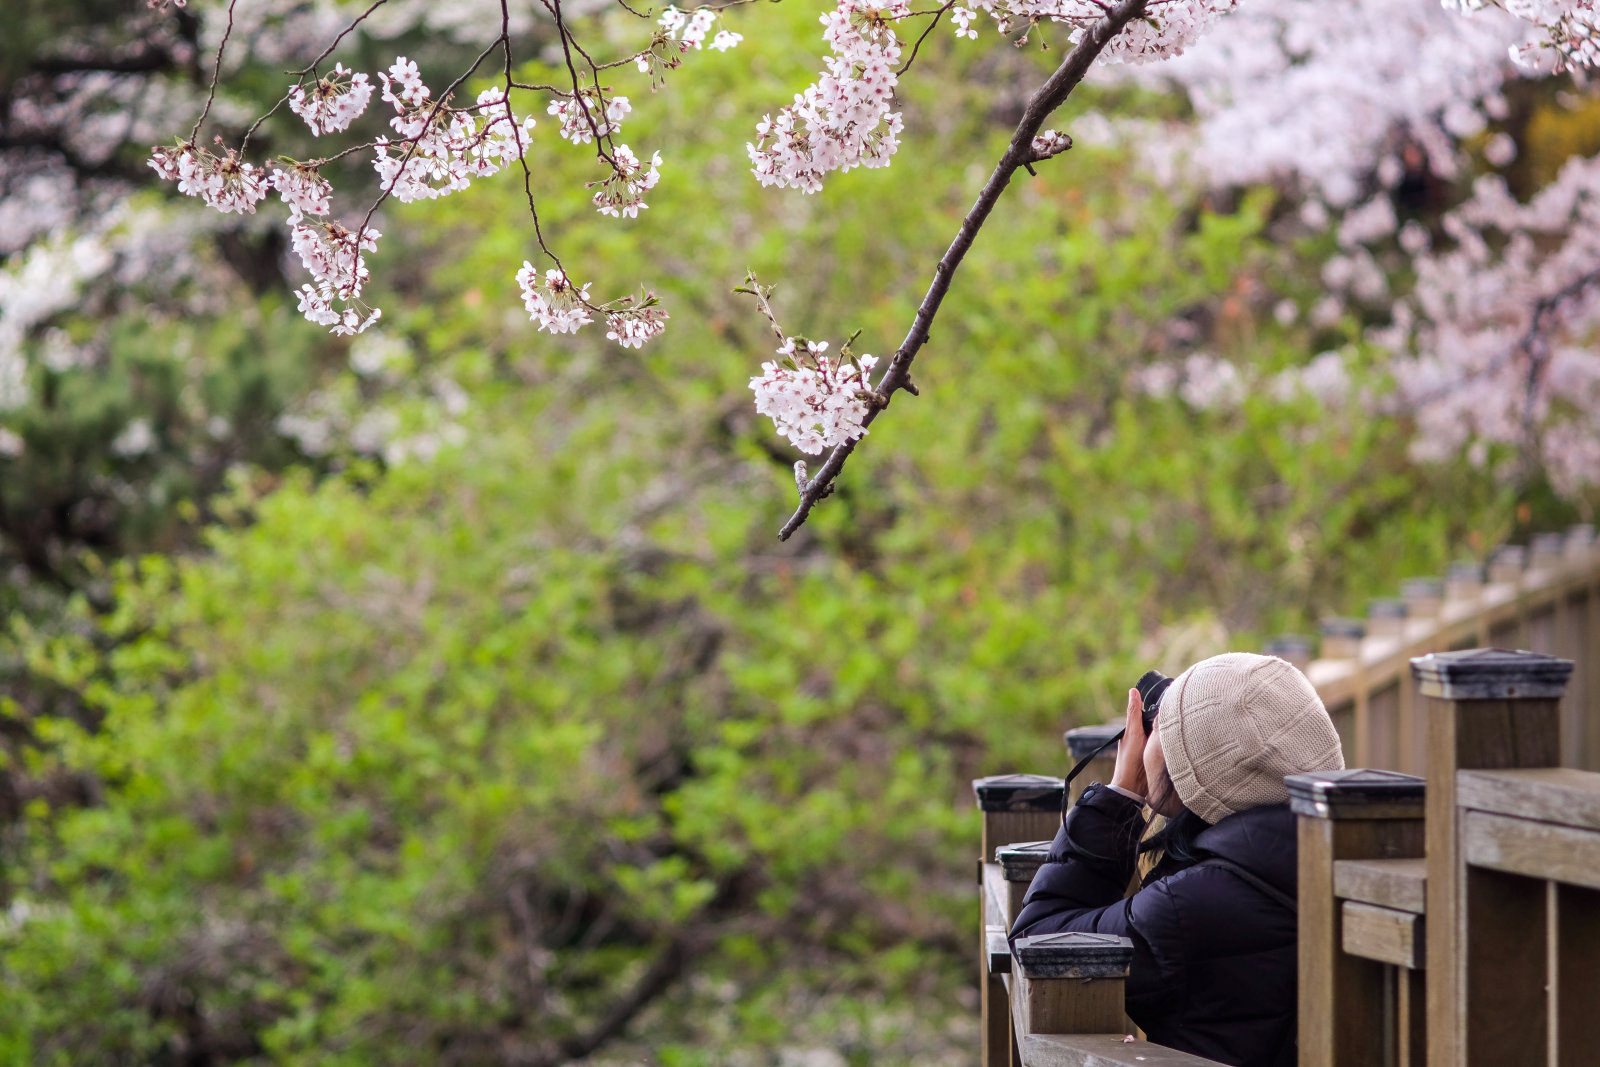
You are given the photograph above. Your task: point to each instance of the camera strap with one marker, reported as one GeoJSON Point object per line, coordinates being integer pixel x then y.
{"type": "Point", "coordinates": [1066, 786]}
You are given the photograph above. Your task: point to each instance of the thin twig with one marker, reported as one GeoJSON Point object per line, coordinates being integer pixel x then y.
{"type": "Point", "coordinates": [522, 155]}
{"type": "Point", "coordinates": [912, 58]}
{"type": "Point", "coordinates": [216, 75]}
{"type": "Point", "coordinates": [412, 142]}
{"type": "Point", "coordinates": [1051, 95]}
{"type": "Point", "coordinates": [761, 293]}
{"type": "Point", "coordinates": [328, 51]}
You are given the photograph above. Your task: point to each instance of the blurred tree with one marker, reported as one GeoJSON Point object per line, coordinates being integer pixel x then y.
{"type": "Point", "coordinates": [535, 746]}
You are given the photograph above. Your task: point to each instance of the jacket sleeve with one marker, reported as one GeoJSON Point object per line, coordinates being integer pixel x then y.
{"type": "Point", "coordinates": [1081, 886]}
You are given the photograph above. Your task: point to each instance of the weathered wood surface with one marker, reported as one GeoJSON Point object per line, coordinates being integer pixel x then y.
{"type": "Point", "coordinates": [1505, 1002]}
{"type": "Point", "coordinates": [1484, 998]}
{"type": "Point", "coordinates": [1399, 884]}
{"type": "Point", "coordinates": [1577, 974]}
{"type": "Point", "coordinates": [1548, 794]}
{"type": "Point", "coordinates": [1342, 996]}
{"type": "Point", "coordinates": [1383, 934]}
{"type": "Point", "coordinates": [1103, 1050]}
{"type": "Point", "coordinates": [1536, 850]}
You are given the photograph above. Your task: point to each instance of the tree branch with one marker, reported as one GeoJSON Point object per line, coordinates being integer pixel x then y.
{"type": "Point", "coordinates": [1051, 95]}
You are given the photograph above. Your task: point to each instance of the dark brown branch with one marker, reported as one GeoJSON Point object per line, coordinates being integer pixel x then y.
{"type": "Point", "coordinates": [933, 22]}
{"type": "Point", "coordinates": [216, 76]}
{"type": "Point", "coordinates": [143, 61]}
{"type": "Point", "coordinates": [1051, 95]}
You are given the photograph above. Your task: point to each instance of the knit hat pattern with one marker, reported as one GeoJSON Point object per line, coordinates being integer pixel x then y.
{"type": "Point", "coordinates": [1234, 725]}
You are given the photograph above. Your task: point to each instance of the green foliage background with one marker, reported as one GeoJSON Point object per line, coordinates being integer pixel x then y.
{"type": "Point", "coordinates": [454, 761]}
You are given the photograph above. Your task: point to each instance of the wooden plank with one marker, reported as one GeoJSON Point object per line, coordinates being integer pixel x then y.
{"type": "Point", "coordinates": [997, 891]}
{"type": "Point", "coordinates": [1549, 794]}
{"type": "Point", "coordinates": [1460, 624]}
{"type": "Point", "coordinates": [1103, 1050]}
{"type": "Point", "coordinates": [1010, 827]}
{"type": "Point", "coordinates": [1341, 997]}
{"type": "Point", "coordinates": [1066, 1006]}
{"type": "Point", "coordinates": [999, 949]}
{"type": "Point", "coordinates": [1383, 728]}
{"type": "Point", "coordinates": [1506, 1022]}
{"type": "Point", "coordinates": [1466, 735]}
{"type": "Point", "coordinates": [1383, 934]}
{"type": "Point", "coordinates": [1411, 1019]}
{"type": "Point", "coordinates": [1398, 884]}
{"type": "Point", "coordinates": [994, 997]}
{"type": "Point", "coordinates": [1577, 976]}
{"type": "Point", "coordinates": [1532, 849]}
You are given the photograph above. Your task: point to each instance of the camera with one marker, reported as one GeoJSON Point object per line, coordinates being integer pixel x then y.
{"type": "Point", "coordinates": [1152, 684]}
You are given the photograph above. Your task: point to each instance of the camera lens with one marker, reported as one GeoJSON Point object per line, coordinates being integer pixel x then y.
{"type": "Point", "coordinates": [1152, 685]}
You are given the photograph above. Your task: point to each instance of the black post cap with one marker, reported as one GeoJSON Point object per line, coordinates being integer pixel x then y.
{"type": "Point", "coordinates": [1073, 955]}
{"type": "Point", "coordinates": [1082, 740]}
{"type": "Point", "coordinates": [1491, 674]}
{"type": "Point", "coordinates": [1422, 588]}
{"type": "Point", "coordinates": [1357, 793]}
{"type": "Point", "coordinates": [1019, 862]}
{"type": "Point", "coordinates": [1018, 792]}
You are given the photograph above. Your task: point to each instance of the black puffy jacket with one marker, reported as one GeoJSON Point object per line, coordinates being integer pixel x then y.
{"type": "Point", "coordinates": [1214, 941]}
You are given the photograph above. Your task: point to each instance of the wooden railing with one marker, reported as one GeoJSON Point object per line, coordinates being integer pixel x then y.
{"type": "Point", "coordinates": [1498, 852]}
{"type": "Point", "coordinates": [1544, 597]}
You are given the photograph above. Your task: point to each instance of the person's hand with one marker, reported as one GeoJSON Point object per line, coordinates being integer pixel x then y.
{"type": "Point", "coordinates": [1129, 772]}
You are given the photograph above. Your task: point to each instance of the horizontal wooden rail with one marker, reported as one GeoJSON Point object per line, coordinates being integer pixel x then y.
{"type": "Point", "coordinates": [1545, 600]}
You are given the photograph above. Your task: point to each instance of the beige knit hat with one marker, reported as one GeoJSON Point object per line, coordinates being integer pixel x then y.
{"type": "Point", "coordinates": [1233, 725]}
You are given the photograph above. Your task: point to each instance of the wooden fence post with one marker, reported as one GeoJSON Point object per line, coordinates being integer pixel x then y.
{"type": "Point", "coordinates": [1019, 863]}
{"type": "Point", "coordinates": [1487, 968]}
{"type": "Point", "coordinates": [1083, 740]}
{"type": "Point", "coordinates": [1071, 983]}
{"type": "Point", "coordinates": [1345, 815]}
{"type": "Point", "coordinates": [1016, 807]}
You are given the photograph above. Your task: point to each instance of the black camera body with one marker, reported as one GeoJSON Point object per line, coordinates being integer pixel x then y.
{"type": "Point", "coordinates": [1152, 686]}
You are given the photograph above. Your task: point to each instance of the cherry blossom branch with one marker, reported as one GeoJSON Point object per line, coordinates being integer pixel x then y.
{"type": "Point", "coordinates": [216, 75]}
{"type": "Point", "coordinates": [1051, 95]}
{"type": "Point", "coordinates": [932, 23]}
{"type": "Point", "coordinates": [328, 51]}
{"type": "Point", "coordinates": [412, 141]}
{"type": "Point", "coordinates": [517, 131]}
{"type": "Point", "coordinates": [300, 75]}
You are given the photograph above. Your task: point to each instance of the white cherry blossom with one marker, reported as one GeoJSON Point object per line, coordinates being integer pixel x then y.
{"type": "Point", "coordinates": [813, 400]}
{"type": "Point", "coordinates": [334, 101]}
{"type": "Point", "coordinates": [553, 301]}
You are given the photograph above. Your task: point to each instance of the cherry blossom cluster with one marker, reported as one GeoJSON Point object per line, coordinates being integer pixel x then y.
{"type": "Point", "coordinates": [813, 400]}
{"type": "Point", "coordinates": [623, 192]}
{"type": "Point", "coordinates": [1494, 345]}
{"type": "Point", "coordinates": [336, 101]}
{"type": "Point", "coordinates": [1167, 29]}
{"type": "Point", "coordinates": [842, 120]}
{"type": "Point", "coordinates": [226, 182]}
{"type": "Point", "coordinates": [582, 118]}
{"type": "Point", "coordinates": [332, 254]}
{"type": "Point", "coordinates": [690, 30]}
{"type": "Point", "coordinates": [303, 188]}
{"type": "Point", "coordinates": [1569, 31]}
{"type": "Point", "coordinates": [552, 300]}
{"type": "Point", "coordinates": [631, 323]}
{"type": "Point", "coordinates": [443, 148]}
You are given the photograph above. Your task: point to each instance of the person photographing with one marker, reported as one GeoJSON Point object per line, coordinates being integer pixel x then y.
{"type": "Point", "coordinates": [1213, 924]}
